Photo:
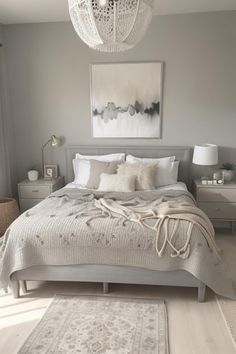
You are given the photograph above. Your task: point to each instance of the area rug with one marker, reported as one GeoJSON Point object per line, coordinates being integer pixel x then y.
{"type": "Point", "coordinates": [100, 325]}
{"type": "Point", "coordinates": [228, 307]}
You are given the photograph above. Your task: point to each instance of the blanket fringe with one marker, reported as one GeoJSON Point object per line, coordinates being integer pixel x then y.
{"type": "Point", "coordinates": [164, 214]}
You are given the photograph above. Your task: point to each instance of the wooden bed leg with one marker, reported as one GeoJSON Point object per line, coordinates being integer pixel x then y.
{"type": "Point", "coordinates": [201, 292]}
{"type": "Point", "coordinates": [15, 288]}
{"type": "Point", "coordinates": [23, 286]}
{"type": "Point", "coordinates": [105, 288]}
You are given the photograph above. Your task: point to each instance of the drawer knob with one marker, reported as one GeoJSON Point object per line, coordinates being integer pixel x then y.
{"type": "Point", "coordinates": [35, 190]}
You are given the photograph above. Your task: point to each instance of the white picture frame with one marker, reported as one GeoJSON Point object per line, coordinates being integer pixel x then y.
{"type": "Point", "coordinates": [50, 171]}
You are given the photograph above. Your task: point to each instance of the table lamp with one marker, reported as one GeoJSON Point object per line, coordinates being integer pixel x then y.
{"type": "Point", "coordinates": [205, 155]}
{"type": "Point", "coordinates": [54, 141]}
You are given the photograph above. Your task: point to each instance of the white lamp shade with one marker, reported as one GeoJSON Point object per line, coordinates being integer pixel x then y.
{"type": "Point", "coordinates": [205, 154]}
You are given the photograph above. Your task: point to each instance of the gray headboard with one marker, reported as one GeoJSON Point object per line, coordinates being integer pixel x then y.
{"type": "Point", "coordinates": [183, 154]}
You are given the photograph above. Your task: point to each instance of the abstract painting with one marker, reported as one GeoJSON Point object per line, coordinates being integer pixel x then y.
{"type": "Point", "coordinates": [126, 100]}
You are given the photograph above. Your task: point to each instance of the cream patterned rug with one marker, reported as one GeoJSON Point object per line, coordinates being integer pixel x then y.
{"type": "Point", "coordinates": [227, 306]}
{"type": "Point", "coordinates": [100, 325]}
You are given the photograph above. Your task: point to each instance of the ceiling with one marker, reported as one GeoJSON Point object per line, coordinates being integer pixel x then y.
{"type": "Point", "coordinates": [28, 11]}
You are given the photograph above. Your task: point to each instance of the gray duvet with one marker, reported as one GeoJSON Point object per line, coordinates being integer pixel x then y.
{"type": "Point", "coordinates": [67, 228]}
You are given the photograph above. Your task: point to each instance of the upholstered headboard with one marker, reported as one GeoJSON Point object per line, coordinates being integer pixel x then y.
{"type": "Point", "coordinates": [183, 154]}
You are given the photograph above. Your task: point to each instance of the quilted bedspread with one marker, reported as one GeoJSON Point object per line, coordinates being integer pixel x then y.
{"type": "Point", "coordinates": [67, 228]}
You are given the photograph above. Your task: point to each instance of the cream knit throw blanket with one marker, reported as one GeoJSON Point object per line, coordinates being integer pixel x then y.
{"type": "Point", "coordinates": [162, 213]}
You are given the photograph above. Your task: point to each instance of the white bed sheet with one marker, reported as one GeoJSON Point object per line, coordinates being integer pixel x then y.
{"type": "Point", "coordinates": [181, 186]}
{"type": "Point", "coordinates": [177, 186]}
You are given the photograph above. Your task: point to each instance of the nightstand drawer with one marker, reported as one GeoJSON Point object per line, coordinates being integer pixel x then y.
{"type": "Point", "coordinates": [33, 192]}
{"type": "Point", "coordinates": [217, 195]}
{"type": "Point", "coordinates": [36, 192]}
{"type": "Point", "coordinates": [219, 210]}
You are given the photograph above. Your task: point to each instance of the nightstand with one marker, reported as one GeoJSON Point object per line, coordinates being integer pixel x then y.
{"type": "Point", "coordinates": [217, 201]}
{"type": "Point", "coordinates": [31, 193]}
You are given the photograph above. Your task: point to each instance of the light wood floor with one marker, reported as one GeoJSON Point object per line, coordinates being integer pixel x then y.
{"type": "Point", "coordinates": [194, 328]}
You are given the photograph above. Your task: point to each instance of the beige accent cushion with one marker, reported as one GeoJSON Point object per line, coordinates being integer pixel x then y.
{"type": "Point", "coordinates": [116, 183]}
{"type": "Point", "coordinates": [167, 168]}
{"type": "Point", "coordinates": [145, 174]}
{"type": "Point", "coordinates": [99, 167]}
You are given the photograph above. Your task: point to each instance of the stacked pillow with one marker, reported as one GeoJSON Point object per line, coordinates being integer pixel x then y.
{"type": "Point", "coordinates": [145, 174]}
{"type": "Point", "coordinates": [117, 183]}
{"type": "Point", "coordinates": [166, 168]}
{"type": "Point", "coordinates": [106, 158]}
{"type": "Point", "coordinates": [111, 172]}
{"type": "Point", "coordinates": [87, 169]}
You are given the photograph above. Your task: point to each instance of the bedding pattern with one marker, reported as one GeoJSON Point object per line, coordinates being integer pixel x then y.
{"type": "Point", "coordinates": [69, 228]}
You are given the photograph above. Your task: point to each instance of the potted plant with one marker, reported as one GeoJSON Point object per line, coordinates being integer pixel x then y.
{"type": "Point", "coordinates": [228, 171]}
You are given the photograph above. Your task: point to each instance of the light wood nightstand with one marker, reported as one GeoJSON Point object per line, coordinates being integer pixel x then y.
{"type": "Point", "coordinates": [217, 201]}
{"type": "Point", "coordinates": [31, 193]}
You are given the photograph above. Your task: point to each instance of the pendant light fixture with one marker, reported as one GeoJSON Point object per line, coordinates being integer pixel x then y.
{"type": "Point", "coordinates": [111, 25]}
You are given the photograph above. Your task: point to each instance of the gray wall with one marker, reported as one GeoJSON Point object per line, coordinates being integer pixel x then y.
{"type": "Point", "coordinates": [48, 71]}
{"type": "Point", "coordinates": [6, 129]}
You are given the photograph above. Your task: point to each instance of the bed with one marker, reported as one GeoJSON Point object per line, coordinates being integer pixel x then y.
{"type": "Point", "coordinates": [75, 265]}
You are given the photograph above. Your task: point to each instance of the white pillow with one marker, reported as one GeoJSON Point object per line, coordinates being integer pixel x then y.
{"type": "Point", "coordinates": [116, 183]}
{"type": "Point", "coordinates": [166, 171]}
{"type": "Point", "coordinates": [175, 171]}
{"type": "Point", "coordinates": [106, 158]}
{"type": "Point", "coordinates": [82, 169]}
{"type": "Point", "coordinates": [131, 159]}
{"type": "Point", "coordinates": [81, 172]}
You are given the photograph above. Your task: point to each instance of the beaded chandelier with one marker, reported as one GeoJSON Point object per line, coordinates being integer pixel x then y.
{"type": "Point", "coordinates": [111, 25]}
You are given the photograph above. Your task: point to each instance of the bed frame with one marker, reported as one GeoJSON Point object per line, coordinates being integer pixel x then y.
{"type": "Point", "coordinates": [106, 274]}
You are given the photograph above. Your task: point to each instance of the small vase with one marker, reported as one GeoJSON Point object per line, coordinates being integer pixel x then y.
{"type": "Point", "coordinates": [33, 175]}
{"type": "Point", "coordinates": [228, 175]}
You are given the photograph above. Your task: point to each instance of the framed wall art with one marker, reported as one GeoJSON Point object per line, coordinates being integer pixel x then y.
{"type": "Point", "coordinates": [126, 100]}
